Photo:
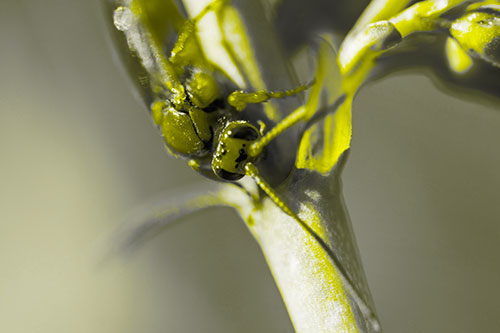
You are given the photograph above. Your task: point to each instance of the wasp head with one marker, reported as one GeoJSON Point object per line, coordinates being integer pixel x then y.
{"type": "Point", "coordinates": [231, 154]}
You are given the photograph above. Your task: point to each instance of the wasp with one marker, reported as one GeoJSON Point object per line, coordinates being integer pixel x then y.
{"type": "Point", "coordinates": [198, 109]}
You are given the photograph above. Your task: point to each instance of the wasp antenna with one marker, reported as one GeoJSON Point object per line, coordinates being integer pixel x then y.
{"type": "Point", "coordinates": [302, 113]}
{"type": "Point", "coordinates": [293, 118]}
{"type": "Point", "coordinates": [252, 171]}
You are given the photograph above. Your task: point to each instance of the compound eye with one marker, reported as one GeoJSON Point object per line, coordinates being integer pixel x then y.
{"type": "Point", "coordinates": [246, 133]}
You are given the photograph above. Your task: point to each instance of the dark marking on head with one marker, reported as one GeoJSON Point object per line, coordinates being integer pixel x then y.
{"type": "Point", "coordinates": [243, 156]}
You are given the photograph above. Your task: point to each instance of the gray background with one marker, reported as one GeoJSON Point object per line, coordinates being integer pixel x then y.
{"type": "Point", "coordinates": [78, 152]}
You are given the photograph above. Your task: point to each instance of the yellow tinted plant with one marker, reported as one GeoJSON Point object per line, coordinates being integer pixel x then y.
{"type": "Point", "coordinates": [237, 113]}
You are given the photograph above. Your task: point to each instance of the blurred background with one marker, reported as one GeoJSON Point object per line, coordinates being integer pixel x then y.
{"type": "Point", "coordinates": [78, 151]}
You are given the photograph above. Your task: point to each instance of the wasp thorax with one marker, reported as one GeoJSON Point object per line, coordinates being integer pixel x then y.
{"type": "Point", "coordinates": [231, 154]}
{"type": "Point", "coordinates": [202, 89]}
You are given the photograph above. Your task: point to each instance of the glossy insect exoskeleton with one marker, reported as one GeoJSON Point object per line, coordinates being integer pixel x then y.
{"type": "Point", "coordinates": [206, 130]}
{"type": "Point", "coordinates": [196, 107]}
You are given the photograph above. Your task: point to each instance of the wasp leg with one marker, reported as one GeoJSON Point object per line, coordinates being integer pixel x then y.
{"type": "Point", "coordinates": [189, 27]}
{"type": "Point", "coordinates": [240, 99]}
